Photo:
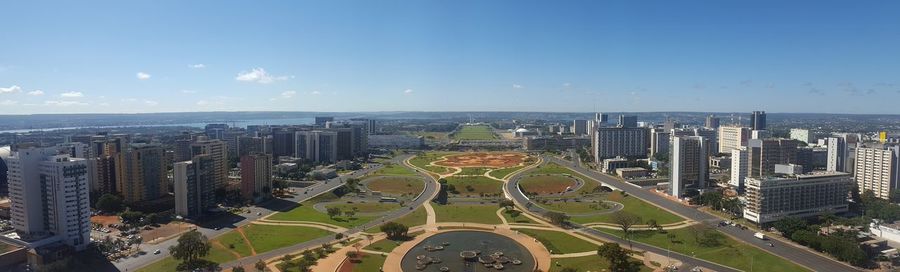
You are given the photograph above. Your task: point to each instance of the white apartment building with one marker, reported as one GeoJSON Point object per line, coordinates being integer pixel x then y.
{"type": "Point", "coordinates": [740, 167]}
{"type": "Point", "coordinates": [877, 170]}
{"type": "Point", "coordinates": [49, 197]}
{"type": "Point", "coordinates": [802, 135]}
{"type": "Point", "coordinates": [731, 137]}
{"type": "Point", "coordinates": [772, 199]}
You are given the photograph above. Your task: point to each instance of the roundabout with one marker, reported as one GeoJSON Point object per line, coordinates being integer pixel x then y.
{"type": "Point", "coordinates": [469, 250]}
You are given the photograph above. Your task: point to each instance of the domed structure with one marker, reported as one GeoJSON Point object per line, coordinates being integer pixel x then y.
{"type": "Point", "coordinates": [522, 130]}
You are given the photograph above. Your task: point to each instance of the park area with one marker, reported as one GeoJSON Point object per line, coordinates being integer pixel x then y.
{"type": "Point", "coordinates": [547, 184]}
{"type": "Point", "coordinates": [395, 186]}
{"type": "Point", "coordinates": [474, 186]}
{"type": "Point", "coordinates": [468, 213]}
{"type": "Point", "coordinates": [480, 159]}
{"type": "Point", "coordinates": [474, 132]}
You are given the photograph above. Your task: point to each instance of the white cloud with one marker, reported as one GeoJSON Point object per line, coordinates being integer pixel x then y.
{"type": "Point", "coordinates": [72, 94]}
{"type": "Point", "coordinates": [202, 103]}
{"type": "Point", "coordinates": [188, 91]}
{"type": "Point", "coordinates": [104, 104]}
{"type": "Point", "coordinates": [197, 66]}
{"type": "Point", "coordinates": [143, 76]}
{"type": "Point", "coordinates": [11, 89]}
{"type": "Point", "coordinates": [129, 100]}
{"type": "Point", "coordinates": [258, 75]}
{"type": "Point", "coordinates": [64, 103]}
{"type": "Point", "coordinates": [288, 94]}
{"type": "Point", "coordinates": [315, 93]}
{"type": "Point", "coordinates": [408, 91]}
{"type": "Point", "coordinates": [150, 103]}
{"type": "Point", "coordinates": [36, 92]}
{"type": "Point", "coordinates": [8, 102]}
{"type": "Point", "coordinates": [517, 86]}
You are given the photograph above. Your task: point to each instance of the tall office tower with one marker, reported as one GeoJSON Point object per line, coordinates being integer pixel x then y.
{"type": "Point", "coordinates": [371, 126]}
{"type": "Point", "coordinates": [670, 124]}
{"type": "Point", "coordinates": [579, 127]}
{"type": "Point", "coordinates": [758, 120]}
{"type": "Point", "coordinates": [712, 138]}
{"type": "Point", "coordinates": [624, 142]}
{"type": "Point", "coordinates": [803, 135]}
{"type": "Point", "coordinates": [231, 138]}
{"type": "Point", "coordinates": [142, 173]}
{"type": "Point", "coordinates": [877, 169]}
{"type": "Point", "coordinates": [283, 143]}
{"type": "Point", "coordinates": [732, 138]}
{"type": "Point", "coordinates": [764, 154]}
{"type": "Point", "coordinates": [300, 149]}
{"type": "Point", "coordinates": [760, 134]}
{"type": "Point", "coordinates": [800, 196]}
{"type": "Point", "coordinates": [837, 154]}
{"type": "Point", "coordinates": [49, 196]}
{"type": "Point", "coordinates": [75, 149]}
{"type": "Point", "coordinates": [183, 149]}
{"type": "Point", "coordinates": [195, 186]}
{"type": "Point", "coordinates": [215, 131]}
{"type": "Point", "coordinates": [256, 177]}
{"type": "Point", "coordinates": [601, 119]}
{"type": "Point", "coordinates": [321, 146]}
{"type": "Point", "coordinates": [321, 120]}
{"type": "Point", "coordinates": [107, 145]}
{"type": "Point", "coordinates": [4, 183]}
{"type": "Point", "coordinates": [659, 142]}
{"type": "Point", "coordinates": [740, 168]}
{"type": "Point", "coordinates": [218, 152]}
{"type": "Point", "coordinates": [249, 145]}
{"type": "Point", "coordinates": [689, 162]}
{"type": "Point", "coordinates": [344, 143]}
{"type": "Point", "coordinates": [360, 143]}
{"type": "Point", "coordinates": [627, 121]}
{"type": "Point", "coordinates": [712, 122]}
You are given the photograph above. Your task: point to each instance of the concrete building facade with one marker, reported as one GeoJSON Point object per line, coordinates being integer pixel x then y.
{"type": "Point", "coordinates": [772, 199]}
{"type": "Point", "coordinates": [689, 162]}
{"type": "Point", "coordinates": [877, 170]}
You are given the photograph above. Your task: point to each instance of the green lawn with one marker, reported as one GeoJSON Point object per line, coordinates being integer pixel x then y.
{"type": "Point", "coordinates": [415, 218]}
{"type": "Point", "coordinates": [166, 264]}
{"type": "Point", "coordinates": [231, 238]}
{"type": "Point", "coordinates": [478, 185]}
{"type": "Point", "coordinates": [422, 160]}
{"type": "Point", "coordinates": [572, 207]}
{"type": "Point", "coordinates": [553, 168]}
{"type": "Point", "coordinates": [587, 263]}
{"type": "Point", "coordinates": [519, 219]}
{"type": "Point", "coordinates": [434, 136]}
{"type": "Point", "coordinates": [632, 205]}
{"type": "Point", "coordinates": [500, 173]}
{"type": "Point", "coordinates": [305, 212]}
{"type": "Point", "coordinates": [474, 213]}
{"type": "Point", "coordinates": [474, 171]}
{"type": "Point", "coordinates": [396, 185]}
{"type": "Point", "coordinates": [391, 169]}
{"type": "Point", "coordinates": [546, 184]}
{"type": "Point", "coordinates": [731, 253]}
{"type": "Point", "coordinates": [368, 207]}
{"type": "Point", "coordinates": [559, 242]}
{"type": "Point", "coordinates": [476, 132]}
{"type": "Point", "coordinates": [370, 263]}
{"type": "Point", "coordinates": [269, 237]}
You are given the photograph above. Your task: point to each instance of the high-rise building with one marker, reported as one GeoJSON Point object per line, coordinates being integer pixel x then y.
{"type": "Point", "coordinates": [183, 149]}
{"type": "Point", "coordinates": [740, 168]}
{"type": "Point", "coordinates": [620, 142]}
{"type": "Point", "coordinates": [601, 119]}
{"type": "Point", "coordinates": [248, 145]}
{"type": "Point", "coordinates": [283, 143]}
{"type": "Point", "coordinates": [837, 154]}
{"type": "Point", "coordinates": [627, 121]}
{"type": "Point", "coordinates": [4, 183]}
{"type": "Point", "coordinates": [195, 186]}
{"type": "Point", "coordinates": [231, 137]}
{"type": "Point", "coordinates": [877, 170]}
{"type": "Point", "coordinates": [344, 143]}
{"type": "Point", "coordinates": [321, 146]}
{"type": "Point", "coordinates": [771, 199]}
{"type": "Point", "coordinates": [215, 131]}
{"type": "Point", "coordinates": [659, 142]}
{"type": "Point", "coordinates": [579, 127]}
{"type": "Point", "coordinates": [49, 196]}
{"type": "Point", "coordinates": [689, 162]}
{"type": "Point", "coordinates": [758, 120]}
{"type": "Point", "coordinates": [218, 152]}
{"type": "Point", "coordinates": [803, 135]}
{"type": "Point", "coordinates": [712, 122]}
{"type": "Point", "coordinates": [142, 173]}
{"type": "Point", "coordinates": [321, 120]}
{"type": "Point", "coordinates": [711, 136]}
{"type": "Point", "coordinates": [732, 138]}
{"type": "Point", "coordinates": [764, 154]}
{"type": "Point", "coordinates": [256, 177]}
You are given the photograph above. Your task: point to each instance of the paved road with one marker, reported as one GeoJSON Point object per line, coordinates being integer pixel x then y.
{"type": "Point", "coordinates": [232, 222]}
{"type": "Point", "coordinates": [427, 194]}
{"type": "Point", "coordinates": [798, 255]}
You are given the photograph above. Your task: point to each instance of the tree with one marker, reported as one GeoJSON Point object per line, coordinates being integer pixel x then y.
{"type": "Point", "coordinates": [733, 206]}
{"type": "Point", "coordinates": [507, 204]}
{"type": "Point", "coordinates": [191, 247]}
{"type": "Point", "coordinates": [394, 230]}
{"type": "Point", "coordinates": [349, 213]}
{"type": "Point", "coordinates": [442, 196]}
{"type": "Point", "coordinates": [237, 269]}
{"type": "Point", "coordinates": [617, 258]}
{"type": "Point", "coordinates": [152, 218]}
{"type": "Point", "coordinates": [654, 225]}
{"type": "Point", "coordinates": [130, 217]}
{"type": "Point", "coordinates": [625, 221]}
{"type": "Point", "coordinates": [557, 218]}
{"type": "Point", "coordinates": [109, 203]}
{"type": "Point", "coordinates": [789, 225]}
{"type": "Point", "coordinates": [333, 211]}
{"type": "Point", "coordinates": [514, 213]}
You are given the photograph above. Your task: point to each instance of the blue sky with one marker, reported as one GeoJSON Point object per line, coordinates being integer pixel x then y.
{"type": "Point", "coordinates": [171, 56]}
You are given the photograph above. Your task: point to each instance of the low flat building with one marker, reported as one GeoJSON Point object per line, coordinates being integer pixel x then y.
{"type": "Point", "coordinates": [555, 143]}
{"type": "Point", "coordinates": [631, 172]}
{"type": "Point", "coordinates": [610, 165]}
{"type": "Point", "coordinates": [774, 198]}
{"type": "Point", "coordinates": [396, 141]}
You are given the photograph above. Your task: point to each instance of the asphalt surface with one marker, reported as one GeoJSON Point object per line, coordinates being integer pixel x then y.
{"type": "Point", "coordinates": [229, 223]}
{"type": "Point", "coordinates": [798, 255]}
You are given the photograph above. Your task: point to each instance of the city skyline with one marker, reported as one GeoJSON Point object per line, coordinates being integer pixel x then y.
{"type": "Point", "coordinates": [432, 56]}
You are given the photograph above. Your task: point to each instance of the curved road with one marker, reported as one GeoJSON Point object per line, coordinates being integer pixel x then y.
{"type": "Point", "coordinates": [790, 252]}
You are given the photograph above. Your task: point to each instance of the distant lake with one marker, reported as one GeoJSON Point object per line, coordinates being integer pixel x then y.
{"type": "Point", "coordinates": [241, 123]}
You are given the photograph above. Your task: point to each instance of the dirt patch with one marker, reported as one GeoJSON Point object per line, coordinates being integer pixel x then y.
{"type": "Point", "coordinates": [493, 160]}
{"type": "Point", "coordinates": [166, 230]}
{"type": "Point", "coordinates": [105, 220]}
